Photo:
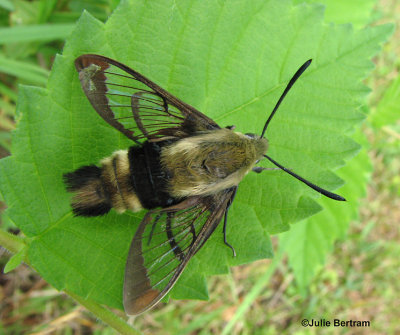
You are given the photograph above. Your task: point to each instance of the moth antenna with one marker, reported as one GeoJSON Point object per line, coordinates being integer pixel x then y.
{"type": "Point", "coordinates": [309, 184]}
{"type": "Point", "coordinates": [288, 87]}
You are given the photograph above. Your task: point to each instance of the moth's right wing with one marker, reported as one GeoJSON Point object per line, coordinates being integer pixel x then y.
{"type": "Point", "coordinates": [135, 105]}
{"type": "Point", "coordinates": [164, 243]}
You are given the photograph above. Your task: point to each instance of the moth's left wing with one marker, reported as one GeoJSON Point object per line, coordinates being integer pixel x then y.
{"type": "Point", "coordinates": [164, 243]}
{"type": "Point", "coordinates": [135, 105]}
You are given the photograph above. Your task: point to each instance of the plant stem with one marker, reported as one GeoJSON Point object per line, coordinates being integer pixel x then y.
{"type": "Point", "coordinates": [11, 242]}
{"type": "Point", "coordinates": [105, 315]}
{"type": "Point", "coordinates": [14, 244]}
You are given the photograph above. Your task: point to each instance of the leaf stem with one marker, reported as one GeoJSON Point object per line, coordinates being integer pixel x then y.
{"type": "Point", "coordinates": [11, 242]}
{"type": "Point", "coordinates": [105, 315]}
{"type": "Point", "coordinates": [15, 243]}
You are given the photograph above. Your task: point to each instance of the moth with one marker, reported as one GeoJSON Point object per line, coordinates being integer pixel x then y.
{"type": "Point", "coordinates": [182, 166]}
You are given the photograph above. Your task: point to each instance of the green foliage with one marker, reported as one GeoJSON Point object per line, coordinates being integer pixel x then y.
{"type": "Point", "coordinates": [29, 72]}
{"type": "Point", "coordinates": [7, 5]}
{"type": "Point", "coordinates": [388, 109]}
{"type": "Point", "coordinates": [42, 32]}
{"type": "Point", "coordinates": [34, 34]}
{"type": "Point", "coordinates": [36, 29]}
{"type": "Point", "coordinates": [15, 260]}
{"type": "Point", "coordinates": [308, 243]}
{"type": "Point", "coordinates": [230, 60]}
{"type": "Point", "coordinates": [358, 12]}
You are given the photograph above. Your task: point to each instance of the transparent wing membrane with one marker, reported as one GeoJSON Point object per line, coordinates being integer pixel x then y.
{"type": "Point", "coordinates": [135, 105]}
{"type": "Point", "coordinates": [164, 243]}
{"type": "Point", "coordinates": [139, 110]}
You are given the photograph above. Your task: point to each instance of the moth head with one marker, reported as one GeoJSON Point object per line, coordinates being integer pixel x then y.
{"type": "Point", "coordinates": [260, 145]}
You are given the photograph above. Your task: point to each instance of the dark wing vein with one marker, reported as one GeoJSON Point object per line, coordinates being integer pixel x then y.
{"type": "Point", "coordinates": [164, 243]}
{"type": "Point", "coordinates": [123, 98]}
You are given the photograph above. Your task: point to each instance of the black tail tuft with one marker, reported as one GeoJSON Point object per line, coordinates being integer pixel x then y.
{"type": "Point", "coordinates": [75, 180]}
{"type": "Point", "coordinates": [90, 197]}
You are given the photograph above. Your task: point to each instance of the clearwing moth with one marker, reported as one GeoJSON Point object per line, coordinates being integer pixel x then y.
{"type": "Point", "coordinates": [183, 167]}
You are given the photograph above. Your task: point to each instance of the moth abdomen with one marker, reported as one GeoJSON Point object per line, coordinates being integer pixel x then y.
{"type": "Point", "coordinates": [91, 198]}
{"type": "Point", "coordinates": [99, 188]}
{"type": "Point", "coordinates": [127, 180]}
{"type": "Point", "coordinates": [149, 177]}
{"type": "Point", "coordinates": [117, 180]}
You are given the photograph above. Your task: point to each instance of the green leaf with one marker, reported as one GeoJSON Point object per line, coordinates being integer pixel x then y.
{"type": "Point", "coordinates": [231, 60]}
{"type": "Point", "coordinates": [307, 243]}
{"type": "Point", "coordinates": [388, 109]}
{"type": "Point", "coordinates": [15, 260]}
{"type": "Point", "coordinates": [357, 12]}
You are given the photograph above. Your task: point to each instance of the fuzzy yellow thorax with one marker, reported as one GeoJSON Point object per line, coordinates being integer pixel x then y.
{"type": "Point", "coordinates": [210, 162]}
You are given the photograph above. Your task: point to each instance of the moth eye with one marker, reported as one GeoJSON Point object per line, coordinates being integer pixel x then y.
{"type": "Point", "coordinates": [251, 135]}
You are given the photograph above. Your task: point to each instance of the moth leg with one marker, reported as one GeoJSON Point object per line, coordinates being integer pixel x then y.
{"type": "Point", "coordinates": [259, 169]}
{"type": "Point", "coordinates": [226, 220]}
{"type": "Point", "coordinates": [225, 241]}
{"type": "Point", "coordinates": [230, 127]}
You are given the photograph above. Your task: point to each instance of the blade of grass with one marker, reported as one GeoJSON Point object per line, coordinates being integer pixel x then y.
{"type": "Point", "coordinates": [4, 141]}
{"type": "Point", "coordinates": [35, 33]}
{"type": "Point", "coordinates": [23, 70]}
{"type": "Point", "coordinates": [46, 7]}
{"type": "Point", "coordinates": [64, 16]}
{"type": "Point", "coordinates": [201, 321]}
{"type": "Point", "coordinates": [5, 122]}
{"type": "Point", "coordinates": [7, 5]}
{"type": "Point", "coordinates": [7, 109]}
{"type": "Point", "coordinates": [5, 90]}
{"type": "Point", "coordinates": [253, 294]}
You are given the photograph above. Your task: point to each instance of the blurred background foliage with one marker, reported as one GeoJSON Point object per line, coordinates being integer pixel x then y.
{"type": "Point", "coordinates": [359, 280]}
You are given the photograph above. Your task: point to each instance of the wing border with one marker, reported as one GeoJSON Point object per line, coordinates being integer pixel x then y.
{"type": "Point", "coordinates": [216, 205]}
